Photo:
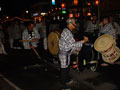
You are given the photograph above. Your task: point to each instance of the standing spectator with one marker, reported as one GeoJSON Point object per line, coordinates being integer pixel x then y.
{"type": "Point", "coordinates": [115, 24]}
{"type": "Point", "coordinates": [107, 27]}
{"type": "Point", "coordinates": [117, 28]}
{"type": "Point", "coordinates": [92, 25]}
{"type": "Point", "coordinates": [17, 35]}
{"type": "Point", "coordinates": [41, 26]}
{"type": "Point", "coordinates": [2, 49]}
{"type": "Point", "coordinates": [44, 34]}
{"type": "Point", "coordinates": [38, 27]}
{"type": "Point", "coordinates": [67, 44]}
{"type": "Point", "coordinates": [11, 34]}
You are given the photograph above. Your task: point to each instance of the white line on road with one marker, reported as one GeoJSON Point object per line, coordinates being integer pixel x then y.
{"type": "Point", "coordinates": [10, 83]}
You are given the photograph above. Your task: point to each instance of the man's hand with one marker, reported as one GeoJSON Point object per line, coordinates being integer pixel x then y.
{"type": "Point", "coordinates": [35, 39]}
{"type": "Point", "coordinates": [85, 39]}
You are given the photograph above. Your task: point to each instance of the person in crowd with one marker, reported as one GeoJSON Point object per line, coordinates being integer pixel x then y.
{"type": "Point", "coordinates": [115, 24]}
{"type": "Point", "coordinates": [30, 34]}
{"type": "Point", "coordinates": [44, 33]}
{"type": "Point", "coordinates": [67, 45]}
{"type": "Point", "coordinates": [41, 26]}
{"type": "Point", "coordinates": [2, 38]}
{"type": "Point", "coordinates": [107, 27]}
{"type": "Point", "coordinates": [17, 35]}
{"type": "Point", "coordinates": [117, 28]}
{"type": "Point", "coordinates": [30, 38]}
{"type": "Point", "coordinates": [92, 25]}
{"type": "Point", "coordinates": [11, 34]}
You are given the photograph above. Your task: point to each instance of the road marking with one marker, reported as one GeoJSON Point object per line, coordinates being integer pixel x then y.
{"type": "Point", "coordinates": [10, 83]}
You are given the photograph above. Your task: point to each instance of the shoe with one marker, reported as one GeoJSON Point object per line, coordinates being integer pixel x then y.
{"type": "Point", "coordinates": [71, 82]}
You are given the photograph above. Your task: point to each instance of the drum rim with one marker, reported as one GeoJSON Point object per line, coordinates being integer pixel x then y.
{"type": "Point", "coordinates": [103, 49]}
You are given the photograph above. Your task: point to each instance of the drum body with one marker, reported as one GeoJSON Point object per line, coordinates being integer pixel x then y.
{"type": "Point", "coordinates": [106, 45]}
{"type": "Point", "coordinates": [53, 39]}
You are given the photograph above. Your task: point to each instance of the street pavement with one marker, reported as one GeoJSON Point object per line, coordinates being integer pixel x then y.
{"type": "Point", "coordinates": [18, 74]}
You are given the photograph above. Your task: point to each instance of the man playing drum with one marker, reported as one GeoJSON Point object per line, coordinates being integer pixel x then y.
{"type": "Point", "coordinates": [66, 45]}
{"type": "Point", "coordinates": [30, 37]}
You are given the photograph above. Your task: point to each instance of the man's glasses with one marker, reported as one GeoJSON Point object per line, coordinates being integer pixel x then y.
{"type": "Point", "coordinates": [73, 24]}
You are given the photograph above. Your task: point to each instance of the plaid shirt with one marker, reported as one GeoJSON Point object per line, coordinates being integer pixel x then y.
{"type": "Point", "coordinates": [116, 26]}
{"type": "Point", "coordinates": [91, 27]}
{"type": "Point", "coordinates": [67, 42]}
{"type": "Point", "coordinates": [108, 29]}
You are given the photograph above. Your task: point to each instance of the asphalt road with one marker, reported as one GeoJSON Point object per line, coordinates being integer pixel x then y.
{"type": "Point", "coordinates": [44, 75]}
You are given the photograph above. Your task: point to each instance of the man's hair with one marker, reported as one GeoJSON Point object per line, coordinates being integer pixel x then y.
{"type": "Point", "coordinates": [107, 17]}
{"type": "Point", "coordinates": [29, 23]}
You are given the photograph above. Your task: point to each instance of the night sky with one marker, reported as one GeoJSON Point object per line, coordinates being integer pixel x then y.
{"type": "Point", "coordinates": [15, 7]}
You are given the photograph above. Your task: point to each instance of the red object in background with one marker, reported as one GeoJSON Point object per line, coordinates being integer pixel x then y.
{"type": "Point", "coordinates": [89, 4]}
{"type": "Point", "coordinates": [75, 2]}
{"type": "Point", "coordinates": [96, 2]}
{"type": "Point", "coordinates": [63, 5]}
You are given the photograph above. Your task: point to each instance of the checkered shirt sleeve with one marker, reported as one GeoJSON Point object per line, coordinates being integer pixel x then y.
{"type": "Point", "coordinates": [67, 42]}
{"type": "Point", "coordinates": [108, 29]}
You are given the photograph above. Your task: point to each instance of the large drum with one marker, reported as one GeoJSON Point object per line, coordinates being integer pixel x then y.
{"type": "Point", "coordinates": [53, 39]}
{"type": "Point", "coordinates": [106, 45]}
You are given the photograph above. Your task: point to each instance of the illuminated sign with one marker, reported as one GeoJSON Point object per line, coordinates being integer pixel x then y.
{"type": "Point", "coordinates": [43, 14]}
{"type": "Point", "coordinates": [63, 12]}
{"type": "Point", "coordinates": [53, 2]}
{"type": "Point", "coordinates": [35, 14]}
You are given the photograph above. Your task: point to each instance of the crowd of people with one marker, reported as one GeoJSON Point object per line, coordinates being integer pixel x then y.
{"type": "Point", "coordinates": [68, 44]}
{"type": "Point", "coordinates": [30, 35]}
{"type": "Point", "coordinates": [14, 31]}
{"type": "Point", "coordinates": [107, 25]}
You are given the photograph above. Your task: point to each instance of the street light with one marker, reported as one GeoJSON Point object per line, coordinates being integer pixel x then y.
{"type": "Point", "coordinates": [75, 2]}
{"type": "Point", "coordinates": [27, 11]}
{"type": "Point", "coordinates": [7, 17]}
{"type": "Point", "coordinates": [63, 5]}
{"type": "Point", "coordinates": [53, 2]}
{"type": "Point", "coordinates": [96, 2]}
{"type": "Point", "coordinates": [89, 3]}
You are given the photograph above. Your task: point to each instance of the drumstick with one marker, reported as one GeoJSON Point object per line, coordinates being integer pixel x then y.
{"type": "Point", "coordinates": [25, 40]}
{"type": "Point", "coordinates": [31, 47]}
{"type": "Point", "coordinates": [36, 52]}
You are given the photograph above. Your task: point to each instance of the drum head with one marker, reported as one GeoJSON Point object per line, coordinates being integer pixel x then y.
{"type": "Point", "coordinates": [53, 39]}
{"type": "Point", "coordinates": [103, 42]}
